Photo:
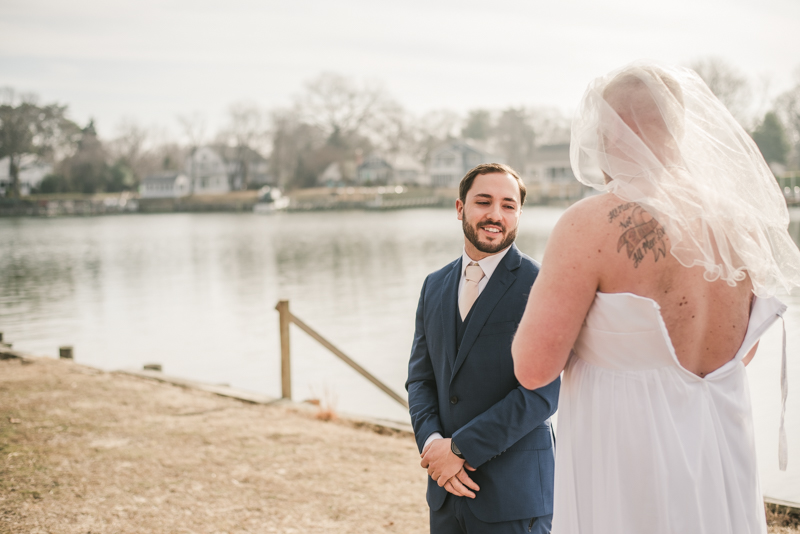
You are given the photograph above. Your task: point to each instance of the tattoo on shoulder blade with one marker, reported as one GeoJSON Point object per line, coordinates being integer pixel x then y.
{"type": "Point", "coordinates": [619, 210]}
{"type": "Point", "coordinates": [641, 233]}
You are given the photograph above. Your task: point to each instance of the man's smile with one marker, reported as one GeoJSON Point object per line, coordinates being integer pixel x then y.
{"type": "Point", "coordinates": [491, 228]}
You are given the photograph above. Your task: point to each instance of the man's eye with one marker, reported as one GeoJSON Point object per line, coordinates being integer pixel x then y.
{"type": "Point", "coordinates": [483, 203]}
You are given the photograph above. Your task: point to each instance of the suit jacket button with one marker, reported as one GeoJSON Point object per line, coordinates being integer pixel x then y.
{"type": "Point", "coordinates": [453, 400]}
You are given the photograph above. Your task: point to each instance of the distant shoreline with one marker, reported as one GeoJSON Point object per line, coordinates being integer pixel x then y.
{"type": "Point", "coordinates": [374, 198]}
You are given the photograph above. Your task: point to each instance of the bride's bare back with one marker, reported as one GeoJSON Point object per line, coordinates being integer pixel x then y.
{"type": "Point", "coordinates": [605, 244]}
{"type": "Point", "coordinates": [706, 321]}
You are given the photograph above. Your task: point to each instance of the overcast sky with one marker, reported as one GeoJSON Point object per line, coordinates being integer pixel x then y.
{"type": "Point", "coordinates": [152, 60]}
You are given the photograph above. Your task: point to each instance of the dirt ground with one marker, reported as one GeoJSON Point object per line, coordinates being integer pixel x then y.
{"type": "Point", "coordinates": [84, 451]}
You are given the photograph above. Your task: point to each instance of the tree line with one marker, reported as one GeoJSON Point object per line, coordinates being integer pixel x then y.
{"type": "Point", "coordinates": [336, 119]}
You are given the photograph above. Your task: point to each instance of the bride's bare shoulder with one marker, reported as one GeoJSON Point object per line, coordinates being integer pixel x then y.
{"type": "Point", "coordinates": [609, 230]}
{"type": "Point", "coordinates": [596, 205]}
{"type": "Point", "coordinates": [593, 214]}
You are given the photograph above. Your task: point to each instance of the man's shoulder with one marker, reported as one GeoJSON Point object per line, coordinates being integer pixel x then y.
{"type": "Point", "coordinates": [439, 274]}
{"type": "Point", "coordinates": [528, 263]}
{"type": "Point", "coordinates": [521, 262]}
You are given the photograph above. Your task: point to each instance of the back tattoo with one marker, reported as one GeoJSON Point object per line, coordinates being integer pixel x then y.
{"type": "Point", "coordinates": [641, 232]}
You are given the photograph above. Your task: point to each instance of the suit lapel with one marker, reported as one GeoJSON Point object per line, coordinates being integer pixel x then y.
{"type": "Point", "coordinates": [449, 310]}
{"type": "Point", "coordinates": [502, 278]}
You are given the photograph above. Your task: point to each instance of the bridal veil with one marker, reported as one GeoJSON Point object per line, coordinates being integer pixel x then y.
{"type": "Point", "coordinates": [656, 135]}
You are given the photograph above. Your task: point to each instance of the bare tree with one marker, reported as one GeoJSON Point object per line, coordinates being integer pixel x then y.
{"type": "Point", "coordinates": [478, 125]}
{"type": "Point", "coordinates": [351, 118]}
{"type": "Point", "coordinates": [337, 105]}
{"type": "Point", "coordinates": [550, 125]}
{"type": "Point", "coordinates": [87, 171]}
{"type": "Point", "coordinates": [193, 127]}
{"type": "Point", "coordinates": [247, 133]}
{"type": "Point", "coordinates": [728, 84]}
{"type": "Point", "coordinates": [293, 160]}
{"type": "Point", "coordinates": [247, 126]}
{"type": "Point", "coordinates": [787, 107]}
{"type": "Point", "coordinates": [129, 146]}
{"type": "Point", "coordinates": [514, 137]}
{"type": "Point", "coordinates": [433, 129]}
{"type": "Point", "coordinates": [393, 130]}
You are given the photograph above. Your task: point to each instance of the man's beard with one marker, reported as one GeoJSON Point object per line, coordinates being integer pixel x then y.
{"type": "Point", "coordinates": [471, 234]}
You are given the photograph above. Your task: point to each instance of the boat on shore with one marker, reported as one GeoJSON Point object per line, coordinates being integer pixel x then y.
{"type": "Point", "coordinates": [270, 200]}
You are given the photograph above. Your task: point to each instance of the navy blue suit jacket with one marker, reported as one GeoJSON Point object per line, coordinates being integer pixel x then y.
{"type": "Point", "coordinates": [472, 395]}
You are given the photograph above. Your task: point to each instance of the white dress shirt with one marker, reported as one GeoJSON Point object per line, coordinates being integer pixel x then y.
{"type": "Point", "coordinates": [488, 265]}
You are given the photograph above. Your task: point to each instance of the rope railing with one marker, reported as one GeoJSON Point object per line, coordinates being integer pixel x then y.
{"type": "Point", "coordinates": [285, 319]}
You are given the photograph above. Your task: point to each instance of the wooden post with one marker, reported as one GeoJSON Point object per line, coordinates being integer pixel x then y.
{"type": "Point", "coordinates": [286, 363]}
{"type": "Point", "coordinates": [65, 352]}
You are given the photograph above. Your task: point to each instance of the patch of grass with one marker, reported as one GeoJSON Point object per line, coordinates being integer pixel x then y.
{"type": "Point", "coordinates": [782, 516]}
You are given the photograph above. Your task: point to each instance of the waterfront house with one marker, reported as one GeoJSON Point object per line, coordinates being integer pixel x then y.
{"type": "Point", "coordinates": [31, 173]}
{"type": "Point", "coordinates": [331, 176]}
{"type": "Point", "coordinates": [374, 170]}
{"type": "Point", "coordinates": [217, 169]}
{"type": "Point", "coordinates": [552, 172]}
{"type": "Point", "coordinates": [409, 171]}
{"type": "Point", "coordinates": [338, 173]}
{"type": "Point", "coordinates": [550, 164]}
{"type": "Point", "coordinates": [451, 161]}
{"type": "Point", "coordinates": [165, 184]}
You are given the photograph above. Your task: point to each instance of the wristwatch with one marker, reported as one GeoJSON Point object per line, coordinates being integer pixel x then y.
{"type": "Point", "coordinates": [455, 450]}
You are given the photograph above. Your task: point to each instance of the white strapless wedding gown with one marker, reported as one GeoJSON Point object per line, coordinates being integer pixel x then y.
{"type": "Point", "coordinates": [645, 446]}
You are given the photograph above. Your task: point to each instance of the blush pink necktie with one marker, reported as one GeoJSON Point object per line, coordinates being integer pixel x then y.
{"type": "Point", "coordinates": [469, 293]}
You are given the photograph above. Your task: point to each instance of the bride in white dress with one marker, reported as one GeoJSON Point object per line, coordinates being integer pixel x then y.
{"type": "Point", "coordinates": [651, 299]}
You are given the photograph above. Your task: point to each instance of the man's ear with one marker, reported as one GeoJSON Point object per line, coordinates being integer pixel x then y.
{"type": "Point", "coordinates": [460, 209]}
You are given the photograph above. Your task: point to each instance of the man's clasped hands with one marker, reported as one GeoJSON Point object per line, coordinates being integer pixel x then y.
{"type": "Point", "coordinates": [447, 469]}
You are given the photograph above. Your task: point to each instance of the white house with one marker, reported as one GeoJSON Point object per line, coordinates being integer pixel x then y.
{"type": "Point", "coordinates": [331, 176]}
{"type": "Point", "coordinates": [550, 164]}
{"type": "Point", "coordinates": [216, 169]}
{"type": "Point", "coordinates": [408, 170]}
{"type": "Point", "coordinates": [451, 161]}
{"type": "Point", "coordinates": [31, 173]}
{"type": "Point", "coordinates": [167, 184]}
{"type": "Point", "coordinates": [552, 170]}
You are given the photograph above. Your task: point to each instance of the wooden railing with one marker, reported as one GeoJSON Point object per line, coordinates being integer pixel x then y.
{"type": "Point", "coordinates": [286, 318]}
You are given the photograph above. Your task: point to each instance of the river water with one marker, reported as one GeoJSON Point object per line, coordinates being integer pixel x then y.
{"type": "Point", "coordinates": [197, 293]}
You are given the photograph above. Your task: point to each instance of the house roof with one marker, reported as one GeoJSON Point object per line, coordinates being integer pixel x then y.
{"type": "Point", "coordinates": [555, 154]}
{"type": "Point", "coordinates": [406, 162]}
{"type": "Point", "coordinates": [332, 172]}
{"type": "Point", "coordinates": [373, 161]}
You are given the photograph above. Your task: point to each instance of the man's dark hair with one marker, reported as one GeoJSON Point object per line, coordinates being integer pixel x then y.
{"type": "Point", "coordinates": [489, 168]}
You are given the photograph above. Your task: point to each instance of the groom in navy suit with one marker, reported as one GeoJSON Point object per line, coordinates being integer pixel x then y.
{"type": "Point", "coordinates": [484, 439]}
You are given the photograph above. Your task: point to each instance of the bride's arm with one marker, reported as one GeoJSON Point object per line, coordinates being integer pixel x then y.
{"type": "Point", "coordinates": [560, 297]}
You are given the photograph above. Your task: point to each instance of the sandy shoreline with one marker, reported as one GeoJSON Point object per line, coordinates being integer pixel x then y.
{"type": "Point", "coordinates": [85, 451]}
